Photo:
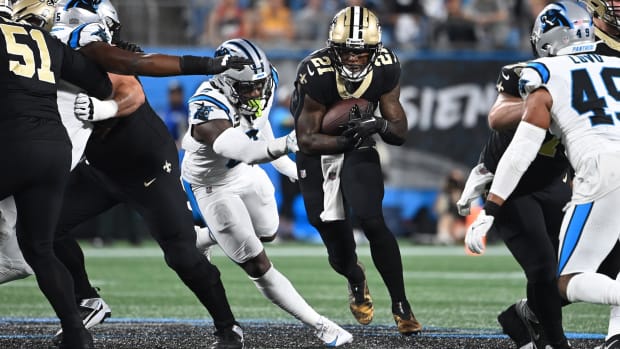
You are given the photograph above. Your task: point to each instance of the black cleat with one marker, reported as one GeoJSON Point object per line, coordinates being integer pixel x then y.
{"type": "Point", "coordinates": [229, 338]}
{"type": "Point", "coordinates": [515, 328]}
{"type": "Point", "coordinates": [79, 340]}
{"type": "Point", "coordinates": [612, 343]}
{"type": "Point", "coordinates": [530, 321]}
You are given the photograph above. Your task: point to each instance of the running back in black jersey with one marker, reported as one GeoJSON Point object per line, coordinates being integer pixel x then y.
{"type": "Point", "coordinates": [34, 62]}
{"type": "Point", "coordinates": [317, 78]}
{"type": "Point", "coordinates": [551, 161]}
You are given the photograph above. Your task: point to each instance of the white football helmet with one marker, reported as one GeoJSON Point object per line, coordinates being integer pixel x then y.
{"type": "Point", "coordinates": [108, 14]}
{"type": "Point", "coordinates": [240, 86]}
{"type": "Point", "coordinates": [354, 29]}
{"type": "Point", "coordinates": [72, 13]}
{"type": "Point", "coordinates": [563, 27]}
{"type": "Point", "coordinates": [39, 13]}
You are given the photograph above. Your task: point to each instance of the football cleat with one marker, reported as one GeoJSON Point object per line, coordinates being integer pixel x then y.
{"type": "Point", "coordinates": [229, 338]}
{"type": "Point", "coordinates": [331, 334]}
{"type": "Point", "coordinates": [512, 326]}
{"type": "Point", "coordinates": [93, 311]}
{"type": "Point", "coordinates": [405, 320]}
{"type": "Point", "coordinates": [82, 340]}
{"type": "Point", "coordinates": [612, 343]}
{"type": "Point", "coordinates": [360, 301]}
{"type": "Point", "coordinates": [532, 325]}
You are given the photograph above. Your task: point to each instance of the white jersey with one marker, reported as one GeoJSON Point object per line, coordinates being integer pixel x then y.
{"type": "Point", "coordinates": [201, 165]}
{"type": "Point", "coordinates": [78, 130]}
{"type": "Point", "coordinates": [585, 114]}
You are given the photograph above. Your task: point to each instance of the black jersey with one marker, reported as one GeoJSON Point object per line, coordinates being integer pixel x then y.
{"type": "Point", "coordinates": [317, 78]}
{"type": "Point", "coordinates": [124, 143]}
{"type": "Point", "coordinates": [32, 65]}
{"type": "Point", "coordinates": [551, 161]}
{"type": "Point", "coordinates": [607, 46]}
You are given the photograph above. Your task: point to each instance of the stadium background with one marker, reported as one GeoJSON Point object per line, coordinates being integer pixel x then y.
{"type": "Point", "coordinates": [446, 90]}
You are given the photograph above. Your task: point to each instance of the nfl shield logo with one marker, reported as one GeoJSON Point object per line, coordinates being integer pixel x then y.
{"type": "Point", "coordinates": [302, 173]}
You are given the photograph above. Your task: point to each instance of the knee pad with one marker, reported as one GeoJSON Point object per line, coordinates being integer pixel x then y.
{"type": "Point", "coordinates": [221, 215]}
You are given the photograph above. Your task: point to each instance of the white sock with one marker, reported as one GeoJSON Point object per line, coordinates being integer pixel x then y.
{"type": "Point", "coordinates": [593, 288]}
{"type": "Point", "coordinates": [614, 318]}
{"type": "Point", "coordinates": [203, 238]}
{"type": "Point", "coordinates": [279, 290]}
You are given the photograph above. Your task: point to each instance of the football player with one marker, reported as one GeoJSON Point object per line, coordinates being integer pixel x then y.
{"type": "Point", "coordinates": [229, 132]}
{"type": "Point", "coordinates": [37, 147]}
{"type": "Point", "coordinates": [504, 117]}
{"type": "Point", "coordinates": [131, 160]}
{"type": "Point", "coordinates": [588, 232]}
{"type": "Point", "coordinates": [339, 173]}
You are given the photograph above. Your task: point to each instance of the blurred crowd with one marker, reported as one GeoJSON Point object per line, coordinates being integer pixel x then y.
{"type": "Point", "coordinates": [406, 24]}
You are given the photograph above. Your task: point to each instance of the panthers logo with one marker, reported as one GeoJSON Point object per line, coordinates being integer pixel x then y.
{"type": "Point", "coordinates": [90, 5]}
{"type": "Point", "coordinates": [203, 112]}
{"type": "Point", "coordinates": [553, 18]}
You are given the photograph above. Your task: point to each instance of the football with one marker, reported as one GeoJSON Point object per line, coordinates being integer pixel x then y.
{"type": "Point", "coordinates": [337, 116]}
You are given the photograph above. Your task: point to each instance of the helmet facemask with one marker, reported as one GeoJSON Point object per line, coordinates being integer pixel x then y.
{"type": "Point", "coordinates": [109, 16]}
{"type": "Point", "coordinates": [354, 31]}
{"type": "Point", "coordinates": [6, 8]}
{"type": "Point", "coordinates": [607, 11]}
{"type": "Point", "coordinates": [35, 12]}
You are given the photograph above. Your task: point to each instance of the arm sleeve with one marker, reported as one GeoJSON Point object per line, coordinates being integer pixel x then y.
{"type": "Point", "coordinates": [520, 153]}
{"type": "Point", "coordinates": [285, 166]}
{"type": "Point", "coordinates": [80, 71]}
{"type": "Point", "coordinates": [234, 144]}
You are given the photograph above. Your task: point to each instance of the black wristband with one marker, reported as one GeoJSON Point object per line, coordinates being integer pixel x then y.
{"type": "Point", "coordinates": [194, 65]}
{"type": "Point", "coordinates": [491, 208]}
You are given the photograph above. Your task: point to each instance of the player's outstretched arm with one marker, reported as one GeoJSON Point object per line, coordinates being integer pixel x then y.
{"type": "Point", "coordinates": [119, 61]}
{"type": "Point", "coordinates": [128, 96]}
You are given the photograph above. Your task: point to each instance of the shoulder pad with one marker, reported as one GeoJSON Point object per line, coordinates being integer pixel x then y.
{"type": "Point", "coordinates": [208, 104]}
{"type": "Point", "coordinates": [82, 35]}
{"type": "Point", "coordinates": [534, 75]}
{"type": "Point", "coordinates": [508, 79]}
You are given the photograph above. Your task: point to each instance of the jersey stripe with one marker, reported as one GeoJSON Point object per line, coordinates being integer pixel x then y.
{"type": "Point", "coordinates": [541, 69]}
{"type": "Point", "coordinates": [74, 38]}
{"type": "Point", "coordinates": [215, 101]}
{"type": "Point", "coordinates": [573, 233]}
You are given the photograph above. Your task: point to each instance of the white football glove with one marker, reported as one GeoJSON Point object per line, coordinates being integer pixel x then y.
{"type": "Point", "coordinates": [291, 142]}
{"type": "Point", "coordinates": [476, 236]}
{"type": "Point", "coordinates": [88, 108]}
{"type": "Point", "coordinates": [477, 181]}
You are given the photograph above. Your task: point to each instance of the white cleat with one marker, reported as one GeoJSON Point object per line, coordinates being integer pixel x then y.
{"type": "Point", "coordinates": [331, 334]}
{"type": "Point", "coordinates": [93, 312]}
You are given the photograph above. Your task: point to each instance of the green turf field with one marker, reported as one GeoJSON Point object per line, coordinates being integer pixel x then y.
{"type": "Point", "coordinates": [446, 287]}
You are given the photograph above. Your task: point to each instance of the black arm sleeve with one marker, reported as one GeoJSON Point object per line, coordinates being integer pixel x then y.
{"type": "Point", "coordinates": [80, 71]}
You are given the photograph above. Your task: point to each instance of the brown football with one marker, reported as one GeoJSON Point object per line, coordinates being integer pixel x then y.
{"type": "Point", "coordinates": [337, 116]}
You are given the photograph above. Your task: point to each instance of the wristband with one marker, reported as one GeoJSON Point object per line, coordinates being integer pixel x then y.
{"type": "Point", "coordinates": [491, 208]}
{"type": "Point", "coordinates": [194, 65]}
{"type": "Point", "coordinates": [103, 110]}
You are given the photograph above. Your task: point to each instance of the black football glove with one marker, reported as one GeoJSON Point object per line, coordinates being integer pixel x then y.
{"type": "Point", "coordinates": [222, 63]}
{"type": "Point", "coordinates": [362, 125]}
{"type": "Point", "coordinates": [128, 46]}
